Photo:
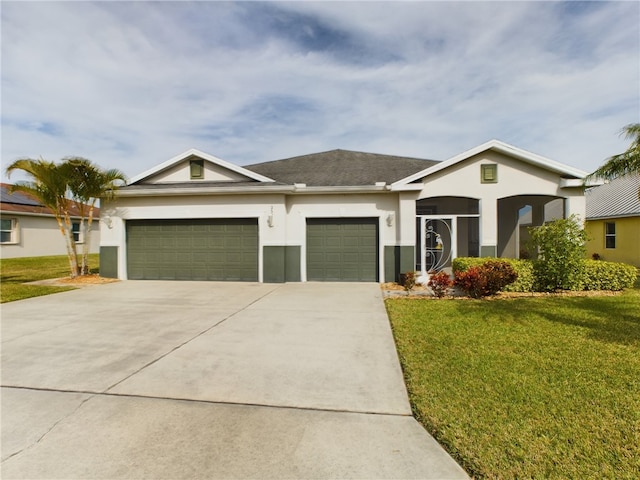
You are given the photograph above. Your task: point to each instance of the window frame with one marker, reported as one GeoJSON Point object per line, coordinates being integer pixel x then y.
{"type": "Point", "coordinates": [13, 231]}
{"type": "Point", "coordinates": [609, 236]}
{"type": "Point", "coordinates": [77, 234]}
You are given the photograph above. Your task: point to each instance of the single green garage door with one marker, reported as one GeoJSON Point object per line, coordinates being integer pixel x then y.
{"type": "Point", "coordinates": [342, 249]}
{"type": "Point", "coordinates": [194, 249]}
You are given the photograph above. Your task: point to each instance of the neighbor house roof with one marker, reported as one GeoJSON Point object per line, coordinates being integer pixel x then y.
{"type": "Point", "coordinates": [618, 198]}
{"type": "Point", "coordinates": [341, 168]}
{"type": "Point", "coordinates": [23, 203]}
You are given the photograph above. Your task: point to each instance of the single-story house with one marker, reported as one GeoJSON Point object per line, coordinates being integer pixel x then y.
{"type": "Point", "coordinates": [332, 216]}
{"type": "Point", "coordinates": [29, 229]}
{"type": "Point", "coordinates": [613, 220]}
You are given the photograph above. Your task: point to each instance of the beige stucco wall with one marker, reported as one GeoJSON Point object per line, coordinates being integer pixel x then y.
{"type": "Point", "coordinates": [515, 178]}
{"type": "Point", "coordinates": [181, 173]}
{"type": "Point", "coordinates": [281, 218]}
{"type": "Point", "coordinates": [38, 236]}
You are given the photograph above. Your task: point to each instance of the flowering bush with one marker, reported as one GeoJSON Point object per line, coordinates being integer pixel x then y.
{"type": "Point", "coordinates": [439, 283]}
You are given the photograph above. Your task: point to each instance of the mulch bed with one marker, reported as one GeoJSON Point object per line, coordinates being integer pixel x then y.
{"type": "Point", "coordinates": [394, 290]}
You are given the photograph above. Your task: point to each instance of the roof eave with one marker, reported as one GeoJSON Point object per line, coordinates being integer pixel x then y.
{"type": "Point", "coordinates": [303, 189]}
{"type": "Point", "coordinates": [155, 192]}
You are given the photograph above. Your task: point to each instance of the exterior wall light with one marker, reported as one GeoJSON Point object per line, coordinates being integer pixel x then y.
{"type": "Point", "coordinates": [270, 218]}
{"type": "Point", "coordinates": [390, 219]}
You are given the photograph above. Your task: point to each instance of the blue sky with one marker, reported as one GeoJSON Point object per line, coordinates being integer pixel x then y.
{"type": "Point", "coordinates": [130, 85]}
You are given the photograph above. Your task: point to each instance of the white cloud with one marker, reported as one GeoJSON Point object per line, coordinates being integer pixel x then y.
{"type": "Point", "coordinates": [130, 85]}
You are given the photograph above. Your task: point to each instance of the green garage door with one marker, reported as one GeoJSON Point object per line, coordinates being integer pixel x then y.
{"type": "Point", "coordinates": [342, 249]}
{"type": "Point", "coordinates": [195, 249]}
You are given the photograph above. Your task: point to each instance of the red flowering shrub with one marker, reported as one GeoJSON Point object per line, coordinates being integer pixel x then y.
{"type": "Point", "coordinates": [439, 283]}
{"type": "Point", "coordinates": [486, 279]}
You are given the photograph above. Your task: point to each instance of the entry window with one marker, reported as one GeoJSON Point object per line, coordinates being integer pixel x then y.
{"type": "Point", "coordinates": [196, 169]}
{"type": "Point", "coordinates": [8, 233]}
{"type": "Point", "coordinates": [77, 234]}
{"type": "Point", "coordinates": [489, 173]}
{"type": "Point", "coordinates": [610, 235]}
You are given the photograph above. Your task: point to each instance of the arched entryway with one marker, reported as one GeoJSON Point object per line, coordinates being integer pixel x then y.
{"type": "Point", "coordinates": [517, 214]}
{"type": "Point", "coordinates": [446, 228]}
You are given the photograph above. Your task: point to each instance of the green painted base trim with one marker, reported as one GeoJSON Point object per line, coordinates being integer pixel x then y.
{"type": "Point", "coordinates": [281, 263]}
{"type": "Point", "coordinates": [398, 259]}
{"type": "Point", "coordinates": [109, 262]}
{"type": "Point", "coordinates": [292, 263]}
{"type": "Point", "coordinates": [488, 251]}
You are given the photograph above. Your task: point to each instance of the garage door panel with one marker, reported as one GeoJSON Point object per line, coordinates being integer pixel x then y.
{"type": "Point", "coordinates": [199, 249]}
{"type": "Point", "coordinates": [342, 249]}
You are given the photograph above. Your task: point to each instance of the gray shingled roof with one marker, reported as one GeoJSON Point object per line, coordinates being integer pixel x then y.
{"type": "Point", "coordinates": [341, 168]}
{"type": "Point", "coordinates": [618, 198]}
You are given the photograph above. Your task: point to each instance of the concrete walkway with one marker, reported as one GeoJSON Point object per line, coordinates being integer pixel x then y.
{"type": "Point", "coordinates": [208, 380]}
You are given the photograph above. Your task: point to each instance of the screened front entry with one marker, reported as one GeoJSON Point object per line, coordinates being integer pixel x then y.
{"type": "Point", "coordinates": [446, 228]}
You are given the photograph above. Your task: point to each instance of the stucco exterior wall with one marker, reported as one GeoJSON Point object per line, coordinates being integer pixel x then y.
{"type": "Point", "coordinates": [515, 178]}
{"type": "Point", "coordinates": [39, 236]}
{"type": "Point", "coordinates": [281, 218]}
{"type": "Point", "coordinates": [627, 240]}
{"type": "Point", "coordinates": [182, 173]}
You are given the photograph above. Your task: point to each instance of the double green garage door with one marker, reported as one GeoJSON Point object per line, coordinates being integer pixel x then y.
{"type": "Point", "coordinates": [338, 249]}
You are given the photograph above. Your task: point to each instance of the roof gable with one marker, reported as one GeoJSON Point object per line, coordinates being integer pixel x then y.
{"type": "Point", "coordinates": [505, 149]}
{"type": "Point", "coordinates": [618, 198]}
{"type": "Point", "coordinates": [218, 169]}
{"type": "Point", "coordinates": [338, 168]}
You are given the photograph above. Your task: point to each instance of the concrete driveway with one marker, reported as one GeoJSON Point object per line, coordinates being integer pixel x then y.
{"type": "Point", "coordinates": [208, 380]}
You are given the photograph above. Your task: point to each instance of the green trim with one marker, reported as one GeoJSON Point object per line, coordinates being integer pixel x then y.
{"type": "Point", "coordinates": [281, 263]}
{"type": "Point", "coordinates": [398, 259]}
{"type": "Point", "coordinates": [292, 257]}
{"type": "Point", "coordinates": [273, 264]}
{"type": "Point", "coordinates": [109, 262]}
{"type": "Point", "coordinates": [488, 251]}
{"type": "Point", "coordinates": [489, 173]}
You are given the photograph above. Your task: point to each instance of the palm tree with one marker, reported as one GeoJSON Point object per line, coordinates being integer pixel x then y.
{"type": "Point", "coordinates": [87, 184]}
{"type": "Point", "coordinates": [74, 181]}
{"type": "Point", "coordinates": [48, 184]}
{"type": "Point", "coordinates": [626, 163]}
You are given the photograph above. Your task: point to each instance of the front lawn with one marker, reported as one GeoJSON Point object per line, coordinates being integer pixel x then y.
{"type": "Point", "coordinates": [15, 272]}
{"type": "Point", "coordinates": [545, 387]}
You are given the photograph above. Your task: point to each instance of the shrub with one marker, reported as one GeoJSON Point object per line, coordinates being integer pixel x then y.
{"type": "Point", "coordinates": [561, 249]}
{"type": "Point", "coordinates": [409, 281]}
{"type": "Point", "coordinates": [524, 269]}
{"type": "Point", "coordinates": [601, 275]}
{"type": "Point", "coordinates": [439, 283]}
{"type": "Point", "coordinates": [471, 282]}
{"type": "Point", "coordinates": [486, 279]}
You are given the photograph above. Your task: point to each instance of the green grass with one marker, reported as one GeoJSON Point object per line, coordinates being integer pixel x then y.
{"type": "Point", "coordinates": [15, 272]}
{"type": "Point", "coordinates": [545, 387]}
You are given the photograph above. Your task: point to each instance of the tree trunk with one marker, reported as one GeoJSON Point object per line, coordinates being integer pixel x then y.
{"type": "Point", "coordinates": [87, 241]}
{"type": "Point", "coordinates": [71, 245]}
{"type": "Point", "coordinates": [73, 261]}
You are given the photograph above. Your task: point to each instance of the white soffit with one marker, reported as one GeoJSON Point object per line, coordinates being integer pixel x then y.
{"type": "Point", "coordinates": [205, 156]}
{"type": "Point", "coordinates": [500, 147]}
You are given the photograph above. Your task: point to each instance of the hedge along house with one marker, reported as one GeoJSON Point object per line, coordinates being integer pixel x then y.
{"type": "Point", "coordinates": [333, 216]}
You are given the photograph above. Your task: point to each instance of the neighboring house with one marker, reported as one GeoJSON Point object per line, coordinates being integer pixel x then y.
{"type": "Point", "coordinates": [613, 220]}
{"type": "Point", "coordinates": [29, 229]}
{"type": "Point", "coordinates": [333, 216]}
